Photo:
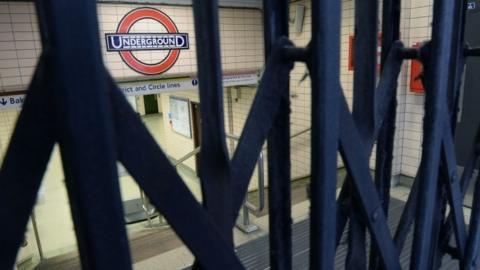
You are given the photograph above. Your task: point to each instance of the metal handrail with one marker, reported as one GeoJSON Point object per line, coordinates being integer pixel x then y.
{"type": "Point", "coordinates": [261, 181]}
{"type": "Point", "coordinates": [143, 196]}
{"type": "Point", "coordinates": [187, 156]}
{"type": "Point", "coordinates": [300, 132]}
{"type": "Point", "coordinates": [237, 137]}
{"type": "Point", "coordinates": [247, 206]}
{"type": "Point", "coordinates": [261, 174]}
{"type": "Point", "coordinates": [261, 186]}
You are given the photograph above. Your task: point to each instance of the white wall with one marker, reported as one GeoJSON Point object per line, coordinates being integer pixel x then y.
{"type": "Point", "coordinates": [242, 48]}
{"type": "Point", "coordinates": [178, 145]}
{"type": "Point", "coordinates": [241, 32]}
{"type": "Point", "coordinates": [301, 102]}
{"type": "Point", "coordinates": [420, 15]}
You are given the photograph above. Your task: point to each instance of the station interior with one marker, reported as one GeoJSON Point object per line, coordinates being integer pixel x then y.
{"type": "Point", "coordinates": [168, 103]}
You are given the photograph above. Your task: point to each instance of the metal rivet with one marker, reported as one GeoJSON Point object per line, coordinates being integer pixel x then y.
{"type": "Point", "coordinates": [453, 177]}
{"type": "Point", "coordinates": [375, 215]}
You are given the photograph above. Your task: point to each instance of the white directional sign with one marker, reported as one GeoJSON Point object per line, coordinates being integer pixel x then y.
{"type": "Point", "coordinates": [11, 102]}
{"type": "Point", "coordinates": [182, 84]}
{"type": "Point", "coordinates": [151, 87]}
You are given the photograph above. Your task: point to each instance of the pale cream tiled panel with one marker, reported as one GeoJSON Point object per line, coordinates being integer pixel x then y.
{"type": "Point", "coordinates": [19, 44]}
{"type": "Point", "coordinates": [240, 109]}
{"type": "Point", "coordinates": [241, 34]}
{"type": "Point", "coordinates": [7, 123]}
{"type": "Point", "coordinates": [419, 30]}
{"type": "Point", "coordinates": [301, 93]}
{"type": "Point", "coordinates": [177, 146]}
{"type": "Point", "coordinates": [242, 48]}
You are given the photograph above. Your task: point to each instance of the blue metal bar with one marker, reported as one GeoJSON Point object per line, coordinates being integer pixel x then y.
{"type": "Point", "coordinates": [464, 182]}
{"type": "Point", "coordinates": [386, 137]}
{"type": "Point", "coordinates": [275, 26]}
{"type": "Point", "coordinates": [265, 108]}
{"type": "Point", "coordinates": [449, 177]}
{"type": "Point", "coordinates": [454, 194]}
{"type": "Point", "coordinates": [75, 97]}
{"type": "Point", "coordinates": [214, 160]}
{"type": "Point", "coordinates": [436, 69]}
{"type": "Point", "coordinates": [355, 157]}
{"type": "Point", "coordinates": [407, 218]}
{"type": "Point", "coordinates": [408, 214]}
{"type": "Point", "coordinates": [25, 162]}
{"type": "Point", "coordinates": [82, 104]}
{"type": "Point", "coordinates": [365, 62]}
{"type": "Point", "coordinates": [324, 66]}
{"type": "Point", "coordinates": [437, 221]}
{"type": "Point", "coordinates": [473, 246]}
{"type": "Point", "coordinates": [385, 92]}
{"type": "Point", "coordinates": [458, 59]}
{"type": "Point", "coordinates": [166, 189]}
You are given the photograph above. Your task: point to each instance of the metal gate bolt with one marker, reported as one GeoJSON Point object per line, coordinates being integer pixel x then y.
{"type": "Point", "coordinates": [376, 215]}
{"type": "Point", "coordinates": [453, 177]}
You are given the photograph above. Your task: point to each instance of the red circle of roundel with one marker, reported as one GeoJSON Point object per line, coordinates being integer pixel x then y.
{"type": "Point", "coordinates": [124, 27]}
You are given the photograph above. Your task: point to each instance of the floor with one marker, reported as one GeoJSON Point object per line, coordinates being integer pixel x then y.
{"type": "Point", "coordinates": [52, 213]}
{"type": "Point", "coordinates": [160, 248]}
{"type": "Point", "coordinates": [255, 254]}
{"type": "Point", "coordinates": [154, 247]}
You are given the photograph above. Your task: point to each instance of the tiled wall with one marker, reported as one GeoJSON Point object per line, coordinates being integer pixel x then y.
{"type": "Point", "coordinates": [420, 30]}
{"type": "Point", "coordinates": [242, 48]}
{"type": "Point", "coordinates": [241, 37]}
{"type": "Point", "coordinates": [301, 102]}
{"type": "Point", "coordinates": [239, 33]}
{"type": "Point", "coordinates": [19, 44]}
{"type": "Point", "coordinates": [7, 123]}
{"type": "Point", "coordinates": [178, 145]}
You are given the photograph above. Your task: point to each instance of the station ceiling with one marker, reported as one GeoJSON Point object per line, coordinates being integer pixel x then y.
{"type": "Point", "coordinates": [223, 3]}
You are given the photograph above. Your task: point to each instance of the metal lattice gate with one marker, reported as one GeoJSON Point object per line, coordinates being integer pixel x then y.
{"type": "Point", "coordinates": [79, 106]}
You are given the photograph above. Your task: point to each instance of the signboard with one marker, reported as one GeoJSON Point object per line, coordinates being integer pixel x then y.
{"type": "Point", "coordinates": [150, 87]}
{"type": "Point", "coordinates": [125, 42]}
{"type": "Point", "coordinates": [179, 115]}
{"type": "Point", "coordinates": [240, 79]}
{"type": "Point", "coordinates": [158, 86]}
{"type": "Point", "coordinates": [182, 84]}
{"type": "Point", "coordinates": [11, 101]}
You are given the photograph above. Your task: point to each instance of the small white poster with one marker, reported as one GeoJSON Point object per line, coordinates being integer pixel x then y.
{"type": "Point", "coordinates": [180, 116]}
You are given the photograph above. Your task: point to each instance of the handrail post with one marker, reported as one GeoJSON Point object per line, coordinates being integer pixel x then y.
{"type": "Point", "coordinates": [145, 208]}
{"type": "Point", "coordinates": [261, 182]}
{"type": "Point", "coordinates": [37, 236]}
{"type": "Point", "coordinates": [245, 225]}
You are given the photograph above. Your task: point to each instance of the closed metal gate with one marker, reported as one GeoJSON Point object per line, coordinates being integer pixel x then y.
{"type": "Point", "coordinates": [73, 100]}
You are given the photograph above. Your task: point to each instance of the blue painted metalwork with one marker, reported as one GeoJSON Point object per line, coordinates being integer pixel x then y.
{"type": "Point", "coordinates": [65, 100]}
{"type": "Point", "coordinates": [324, 66]}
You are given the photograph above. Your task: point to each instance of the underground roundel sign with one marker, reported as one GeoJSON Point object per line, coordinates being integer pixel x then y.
{"type": "Point", "coordinates": [125, 43]}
